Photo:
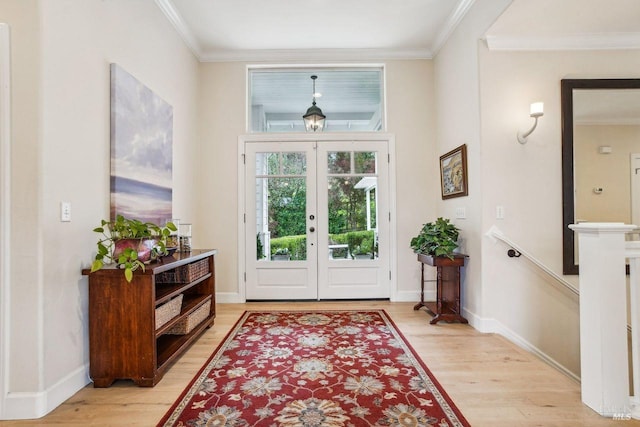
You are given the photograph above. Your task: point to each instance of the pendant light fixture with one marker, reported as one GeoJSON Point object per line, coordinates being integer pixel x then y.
{"type": "Point", "coordinates": [314, 119]}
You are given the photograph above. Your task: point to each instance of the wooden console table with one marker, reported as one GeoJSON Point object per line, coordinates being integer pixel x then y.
{"type": "Point", "coordinates": [125, 340]}
{"type": "Point", "coordinates": [447, 304]}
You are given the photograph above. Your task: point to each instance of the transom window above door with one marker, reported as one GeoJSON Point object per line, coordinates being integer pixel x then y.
{"type": "Point", "coordinates": [350, 98]}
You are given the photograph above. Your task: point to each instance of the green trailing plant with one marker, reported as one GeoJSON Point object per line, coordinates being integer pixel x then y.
{"type": "Point", "coordinates": [124, 228]}
{"type": "Point", "coordinates": [438, 238]}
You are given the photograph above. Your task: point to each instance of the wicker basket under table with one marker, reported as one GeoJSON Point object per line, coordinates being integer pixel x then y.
{"type": "Point", "coordinates": [186, 273]}
{"type": "Point", "coordinates": [187, 324]}
{"type": "Point", "coordinates": [168, 311]}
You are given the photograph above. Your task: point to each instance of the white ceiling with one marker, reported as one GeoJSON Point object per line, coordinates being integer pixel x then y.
{"type": "Point", "coordinates": [273, 30]}
{"type": "Point", "coordinates": [247, 30]}
{"type": "Point", "coordinates": [577, 25]}
{"type": "Point", "coordinates": [567, 25]}
{"type": "Point", "coordinates": [344, 30]}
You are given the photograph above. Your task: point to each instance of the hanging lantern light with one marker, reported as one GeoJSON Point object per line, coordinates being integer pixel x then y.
{"type": "Point", "coordinates": [314, 119]}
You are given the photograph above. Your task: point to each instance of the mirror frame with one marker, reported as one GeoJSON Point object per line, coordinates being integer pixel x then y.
{"type": "Point", "coordinates": [569, 265]}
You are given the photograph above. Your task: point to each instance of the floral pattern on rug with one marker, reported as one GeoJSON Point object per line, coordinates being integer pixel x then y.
{"type": "Point", "coordinates": [314, 369]}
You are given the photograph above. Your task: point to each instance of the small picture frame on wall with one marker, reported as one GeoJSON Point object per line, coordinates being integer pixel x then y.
{"type": "Point", "coordinates": [453, 173]}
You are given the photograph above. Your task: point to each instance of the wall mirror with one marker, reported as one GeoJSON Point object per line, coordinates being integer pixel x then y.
{"type": "Point", "coordinates": [600, 156]}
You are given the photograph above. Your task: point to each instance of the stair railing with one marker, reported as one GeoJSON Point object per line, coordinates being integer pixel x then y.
{"type": "Point", "coordinates": [495, 234]}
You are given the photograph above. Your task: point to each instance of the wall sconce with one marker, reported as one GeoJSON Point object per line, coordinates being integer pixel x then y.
{"type": "Point", "coordinates": [537, 110]}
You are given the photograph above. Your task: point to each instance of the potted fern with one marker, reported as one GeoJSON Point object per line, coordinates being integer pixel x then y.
{"type": "Point", "coordinates": [437, 239]}
{"type": "Point", "coordinates": [130, 243]}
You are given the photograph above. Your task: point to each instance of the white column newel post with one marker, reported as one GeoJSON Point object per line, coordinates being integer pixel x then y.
{"type": "Point", "coordinates": [603, 317]}
{"type": "Point", "coordinates": [633, 254]}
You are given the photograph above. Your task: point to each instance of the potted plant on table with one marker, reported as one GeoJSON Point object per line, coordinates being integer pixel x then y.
{"type": "Point", "coordinates": [130, 243]}
{"type": "Point", "coordinates": [438, 239]}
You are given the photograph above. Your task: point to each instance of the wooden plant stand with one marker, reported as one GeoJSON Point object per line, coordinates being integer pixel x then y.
{"type": "Point", "coordinates": [447, 304]}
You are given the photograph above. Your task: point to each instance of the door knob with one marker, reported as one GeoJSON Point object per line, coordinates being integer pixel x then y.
{"type": "Point", "coordinates": [312, 229]}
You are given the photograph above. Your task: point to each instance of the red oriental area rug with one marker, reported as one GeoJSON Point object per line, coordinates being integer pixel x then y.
{"type": "Point", "coordinates": [314, 368]}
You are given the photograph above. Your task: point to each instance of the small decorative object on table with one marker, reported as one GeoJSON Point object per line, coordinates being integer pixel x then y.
{"type": "Point", "coordinates": [173, 240]}
{"type": "Point", "coordinates": [185, 237]}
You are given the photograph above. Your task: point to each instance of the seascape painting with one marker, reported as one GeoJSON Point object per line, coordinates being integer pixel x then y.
{"type": "Point", "coordinates": [141, 151]}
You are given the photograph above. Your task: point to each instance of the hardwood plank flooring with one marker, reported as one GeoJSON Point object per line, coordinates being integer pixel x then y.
{"type": "Point", "coordinates": [492, 381]}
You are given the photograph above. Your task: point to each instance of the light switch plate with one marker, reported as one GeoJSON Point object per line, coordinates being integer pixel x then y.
{"type": "Point", "coordinates": [65, 211]}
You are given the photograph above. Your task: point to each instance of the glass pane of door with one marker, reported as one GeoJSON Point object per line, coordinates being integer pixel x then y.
{"type": "Point", "coordinates": [352, 205]}
{"type": "Point", "coordinates": [281, 205]}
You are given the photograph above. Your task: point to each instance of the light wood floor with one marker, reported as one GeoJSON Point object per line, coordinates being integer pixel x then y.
{"type": "Point", "coordinates": [493, 382]}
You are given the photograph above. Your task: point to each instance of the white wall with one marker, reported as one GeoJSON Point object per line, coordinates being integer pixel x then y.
{"type": "Point", "coordinates": [25, 245]}
{"type": "Point", "coordinates": [410, 116]}
{"type": "Point", "coordinates": [61, 52]}
{"type": "Point", "coordinates": [482, 100]}
{"type": "Point", "coordinates": [459, 122]}
{"type": "Point", "coordinates": [526, 179]}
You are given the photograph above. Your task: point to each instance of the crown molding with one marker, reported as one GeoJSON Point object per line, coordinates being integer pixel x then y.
{"type": "Point", "coordinates": [168, 8]}
{"type": "Point", "coordinates": [586, 41]}
{"type": "Point", "coordinates": [254, 55]}
{"type": "Point", "coordinates": [314, 55]}
{"type": "Point", "coordinates": [452, 23]}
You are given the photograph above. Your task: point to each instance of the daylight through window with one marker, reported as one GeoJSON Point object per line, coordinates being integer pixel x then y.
{"type": "Point", "coordinates": [350, 98]}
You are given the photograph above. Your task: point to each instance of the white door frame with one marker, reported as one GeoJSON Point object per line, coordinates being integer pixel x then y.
{"type": "Point", "coordinates": [5, 218]}
{"type": "Point", "coordinates": [240, 295]}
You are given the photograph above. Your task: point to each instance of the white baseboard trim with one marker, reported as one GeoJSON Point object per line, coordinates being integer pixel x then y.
{"type": "Point", "coordinates": [33, 405]}
{"type": "Point", "coordinates": [229, 298]}
{"type": "Point", "coordinates": [413, 296]}
{"type": "Point", "coordinates": [485, 325]}
{"type": "Point", "coordinates": [400, 296]}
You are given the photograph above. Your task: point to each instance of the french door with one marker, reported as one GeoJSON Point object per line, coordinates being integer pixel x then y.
{"type": "Point", "coordinates": [317, 220]}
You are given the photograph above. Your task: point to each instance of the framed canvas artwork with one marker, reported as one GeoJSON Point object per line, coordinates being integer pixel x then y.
{"type": "Point", "coordinates": [141, 151]}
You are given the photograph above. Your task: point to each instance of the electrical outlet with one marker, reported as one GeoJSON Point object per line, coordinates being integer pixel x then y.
{"type": "Point", "coordinates": [65, 211]}
{"type": "Point", "coordinates": [499, 212]}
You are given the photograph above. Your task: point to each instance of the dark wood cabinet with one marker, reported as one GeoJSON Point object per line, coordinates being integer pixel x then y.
{"type": "Point", "coordinates": [447, 304]}
{"type": "Point", "coordinates": [124, 342]}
